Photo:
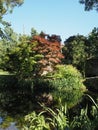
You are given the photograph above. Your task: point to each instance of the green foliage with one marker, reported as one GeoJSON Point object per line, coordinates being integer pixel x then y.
{"type": "Point", "coordinates": [93, 44]}
{"type": "Point", "coordinates": [90, 4]}
{"type": "Point", "coordinates": [64, 85]}
{"type": "Point", "coordinates": [67, 83]}
{"type": "Point", "coordinates": [35, 121]}
{"type": "Point", "coordinates": [33, 32]}
{"type": "Point", "coordinates": [21, 59]}
{"type": "Point", "coordinates": [8, 41]}
{"type": "Point", "coordinates": [81, 122]}
{"type": "Point", "coordinates": [79, 50]}
{"type": "Point", "coordinates": [58, 118]}
{"type": "Point", "coordinates": [7, 6]}
{"type": "Point", "coordinates": [94, 113]}
{"type": "Point", "coordinates": [88, 117]}
{"type": "Point", "coordinates": [75, 51]}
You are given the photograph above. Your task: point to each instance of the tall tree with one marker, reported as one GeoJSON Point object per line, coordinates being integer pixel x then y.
{"type": "Point", "coordinates": [74, 51]}
{"type": "Point", "coordinates": [8, 39]}
{"type": "Point", "coordinates": [8, 5]}
{"type": "Point", "coordinates": [90, 4]}
{"type": "Point", "coordinates": [93, 44]}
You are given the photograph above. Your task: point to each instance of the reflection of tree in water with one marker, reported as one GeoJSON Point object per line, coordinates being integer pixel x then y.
{"type": "Point", "coordinates": [11, 127]}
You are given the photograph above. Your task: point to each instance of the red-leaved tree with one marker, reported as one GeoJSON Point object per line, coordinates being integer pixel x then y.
{"type": "Point", "coordinates": [50, 47]}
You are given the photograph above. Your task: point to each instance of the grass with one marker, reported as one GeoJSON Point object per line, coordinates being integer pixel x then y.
{"type": "Point", "coordinates": [4, 72]}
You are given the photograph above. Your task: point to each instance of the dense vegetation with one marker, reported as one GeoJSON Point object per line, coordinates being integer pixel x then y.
{"type": "Point", "coordinates": [46, 84]}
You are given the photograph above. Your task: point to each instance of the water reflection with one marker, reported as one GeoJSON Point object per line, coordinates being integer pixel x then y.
{"type": "Point", "coordinates": [1, 120]}
{"type": "Point", "coordinates": [11, 127]}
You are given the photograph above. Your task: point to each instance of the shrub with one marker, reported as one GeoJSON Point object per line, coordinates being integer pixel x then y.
{"type": "Point", "coordinates": [67, 83]}
{"type": "Point", "coordinates": [35, 121]}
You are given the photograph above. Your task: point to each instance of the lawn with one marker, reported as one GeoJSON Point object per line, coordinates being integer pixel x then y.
{"type": "Point", "coordinates": [4, 72]}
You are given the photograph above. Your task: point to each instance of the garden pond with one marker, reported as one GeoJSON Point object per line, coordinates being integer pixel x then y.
{"type": "Point", "coordinates": [11, 125]}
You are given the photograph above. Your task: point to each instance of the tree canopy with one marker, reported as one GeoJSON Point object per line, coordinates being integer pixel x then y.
{"type": "Point", "coordinates": [8, 5]}
{"type": "Point", "coordinates": [90, 4]}
{"type": "Point", "coordinates": [50, 48]}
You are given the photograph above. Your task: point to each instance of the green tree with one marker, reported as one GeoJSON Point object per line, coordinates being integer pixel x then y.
{"type": "Point", "coordinates": [33, 32]}
{"type": "Point", "coordinates": [9, 39]}
{"type": "Point", "coordinates": [8, 5]}
{"type": "Point", "coordinates": [90, 4]}
{"type": "Point", "coordinates": [20, 59]}
{"type": "Point", "coordinates": [74, 51]}
{"type": "Point", "coordinates": [93, 44]}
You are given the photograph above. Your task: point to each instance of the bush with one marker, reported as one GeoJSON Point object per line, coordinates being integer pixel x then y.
{"type": "Point", "coordinates": [35, 121]}
{"type": "Point", "coordinates": [67, 83]}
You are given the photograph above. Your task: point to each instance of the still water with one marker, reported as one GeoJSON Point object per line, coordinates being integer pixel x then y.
{"type": "Point", "coordinates": [11, 127]}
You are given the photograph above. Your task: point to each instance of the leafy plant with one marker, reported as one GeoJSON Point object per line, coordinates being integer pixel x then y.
{"type": "Point", "coordinates": [58, 118]}
{"type": "Point", "coordinates": [94, 112]}
{"type": "Point", "coordinates": [47, 119]}
{"type": "Point", "coordinates": [35, 121]}
{"type": "Point", "coordinates": [75, 52]}
{"type": "Point", "coordinates": [21, 59]}
{"type": "Point", "coordinates": [67, 84]}
{"type": "Point", "coordinates": [81, 122]}
{"type": "Point", "coordinates": [88, 117]}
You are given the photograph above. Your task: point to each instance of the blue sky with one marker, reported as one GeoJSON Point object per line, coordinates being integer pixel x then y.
{"type": "Point", "coordinates": [61, 17]}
